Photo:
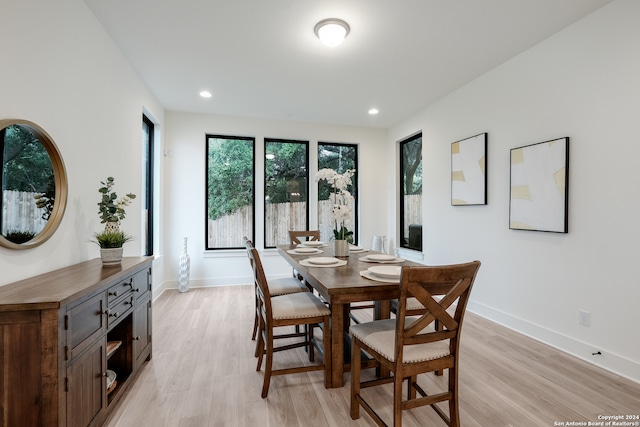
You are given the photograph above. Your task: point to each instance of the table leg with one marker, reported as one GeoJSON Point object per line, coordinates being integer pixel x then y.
{"type": "Point", "coordinates": [337, 344]}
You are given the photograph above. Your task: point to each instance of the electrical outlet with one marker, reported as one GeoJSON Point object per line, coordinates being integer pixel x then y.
{"type": "Point", "coordinates": [584, 317]}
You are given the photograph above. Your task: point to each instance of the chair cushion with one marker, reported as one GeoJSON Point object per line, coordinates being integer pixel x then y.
{"type": "Point", "coordinates": [298, 306]}
{"type": "Point", "coordinates": [414, 304]}
{"type": "Point", "coordinates": [380, 335]}
{"type": "Point", "coordinates": [285, 285]}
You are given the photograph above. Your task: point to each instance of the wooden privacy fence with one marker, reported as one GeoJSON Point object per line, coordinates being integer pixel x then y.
{"type": "Point", "coordinates": [227, 232]}
{"type": "Point", "coordinates": [19, 212]}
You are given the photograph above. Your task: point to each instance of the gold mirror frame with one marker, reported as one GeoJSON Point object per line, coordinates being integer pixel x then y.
{"type": "Point", "coordinates": [60, 179]}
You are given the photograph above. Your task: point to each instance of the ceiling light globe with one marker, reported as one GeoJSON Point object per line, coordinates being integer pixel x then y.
{"type": "Point", "coordinates": [332, 32]}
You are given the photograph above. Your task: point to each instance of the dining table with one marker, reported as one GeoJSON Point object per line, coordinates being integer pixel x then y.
{"type": "Point", "coordinates": [342, 284]}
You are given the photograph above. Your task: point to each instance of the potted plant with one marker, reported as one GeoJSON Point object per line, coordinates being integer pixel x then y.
{"type": "Point", "coordinates": [112, 211]}
{"type": "Point", "coordinates": [111, 242]}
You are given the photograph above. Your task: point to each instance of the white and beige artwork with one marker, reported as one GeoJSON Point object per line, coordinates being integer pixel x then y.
{"type": "Point", "coordinates": [539, 186]}
{"type": "Point", "coordinates": [468, 174]}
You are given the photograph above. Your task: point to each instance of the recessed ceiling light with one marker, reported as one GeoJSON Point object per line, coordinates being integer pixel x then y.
{"type": "Point", "coordinates": [205, 94]}
{"type": "Point", "coordinates": [331, 31]}
{"type": "Point", "coordinates": [373, 111]}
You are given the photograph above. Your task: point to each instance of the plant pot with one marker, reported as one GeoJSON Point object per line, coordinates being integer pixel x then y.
{"type": "Point", "coordinates": [111, 256]}
{"type": "Point", "coordinates": [340, 248]}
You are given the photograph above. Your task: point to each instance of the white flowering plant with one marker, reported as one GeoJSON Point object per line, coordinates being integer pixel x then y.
{"type": "Point", "coordinates": [342, 201]}
{"type": "Point", "coordinates": [111, 209]}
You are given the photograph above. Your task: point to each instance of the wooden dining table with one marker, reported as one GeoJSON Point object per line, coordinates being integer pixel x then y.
{"type": "Point", "coordinates": [341, 286]}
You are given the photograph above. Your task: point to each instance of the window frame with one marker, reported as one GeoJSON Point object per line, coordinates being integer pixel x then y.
{"type": "Point", "coordinates": [355, 183]}
{"type": "Point", "coordinates": [252, 139]}
{"type": "Point", "coordinates": [402, 144]}
{"type": "Point", "coordinates": [264, 182]}
{"type": "Point", "coordinates": [148, 222]}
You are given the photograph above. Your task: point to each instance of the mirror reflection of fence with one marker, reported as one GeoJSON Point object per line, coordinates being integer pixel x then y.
{"type": "Point", "coordinates": [21, 213]}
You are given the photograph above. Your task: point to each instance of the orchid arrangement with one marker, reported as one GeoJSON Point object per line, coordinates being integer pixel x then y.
{"type": "Point", "coordinates": [342, 201]}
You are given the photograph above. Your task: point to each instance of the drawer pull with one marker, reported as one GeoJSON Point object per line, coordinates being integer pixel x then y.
{"type": "Point", "coordinates": [136, 289]}
{"type": "Point", "coordinates": [116, 314]}
{"type": "Point", "coordinates": [136, 338]}
{"type": "Point", "coordinates": [107, 312]}
{"type": "Point", "coordinates": [113, 293]}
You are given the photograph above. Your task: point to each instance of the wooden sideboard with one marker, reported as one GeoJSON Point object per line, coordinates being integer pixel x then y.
{"type": "Point", "coordinates": [62, 336]}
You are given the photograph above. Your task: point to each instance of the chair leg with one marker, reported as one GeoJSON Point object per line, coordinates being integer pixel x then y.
{"type": "Point", "coordinates": [268, 363]}
{"type": "Point", "coordinates": [397, 400]}
{"type": "Point", "coordinates": [454, 415]}
{"type": "Point", "coordinates": [310, 346]}
{"type": "Point", "coordinates": [355, 379]}
{"type": "Point", "coordinates": [260, 343]}
{"type": "Point", "coordinates": [255, 327]}
{"type": "Point", "coordinates": [411, 390]}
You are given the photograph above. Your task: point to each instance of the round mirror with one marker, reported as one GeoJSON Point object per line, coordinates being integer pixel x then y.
{"type": "Point", "coordinates": [33, 182]}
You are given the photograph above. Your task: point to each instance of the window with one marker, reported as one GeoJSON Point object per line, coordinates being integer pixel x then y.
{"type": "Point", "coordinates": [230, 191]}
{"type": "Point", "coordinates": [147, 187]}
{"type": "Point", "coordinates": [286, 183]}
{"type": "Point", "coordinates": [339, 157]}
{"type": "Point", "coordinates": [411, 192]}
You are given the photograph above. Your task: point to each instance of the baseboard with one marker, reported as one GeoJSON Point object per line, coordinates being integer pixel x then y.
{"type": "Point", "coordinates": [607, 360]}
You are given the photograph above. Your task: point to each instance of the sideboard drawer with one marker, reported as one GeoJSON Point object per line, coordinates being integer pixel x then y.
{"type": "Point", "coordinates": [119, 290]}
{"type": "Point", "coordinates": [118, 311]}
{"type": "Point", "coordinates": [84, 323]}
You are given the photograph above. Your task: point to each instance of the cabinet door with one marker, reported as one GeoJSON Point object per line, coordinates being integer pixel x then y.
{"type": "Point", "coordinates": [20, 369]}
{"type": "Point", "coordinates": [87, 386]}
{"type": "Point", "coordinates": [141, 331]}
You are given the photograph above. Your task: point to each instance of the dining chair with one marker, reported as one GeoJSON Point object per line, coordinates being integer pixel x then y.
{"type": "Point", "coordinates": [277, 286]}
{"type": "Point", "coordinates": [410, 345]}
{"type": "Point", "coordinates": [301, 308]}
{"type": "Point", "coordinates": [297, 237]}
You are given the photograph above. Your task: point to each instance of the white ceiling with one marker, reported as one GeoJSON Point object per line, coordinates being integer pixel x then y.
{"type": "Point", "coordinates": [261, 58]}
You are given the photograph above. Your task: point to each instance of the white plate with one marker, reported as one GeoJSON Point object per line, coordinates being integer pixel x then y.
{"type": "Point", "coordinates": [369, 275]}
{"type": "Point", "coordinates": [323, 260]}
{"type": "Point", "coordinates": [381, 257]}
{"type": "Point", "coordinates": [305, 250]}
{"type": "Point", "coordinates": [313, 243]}
{"type": "Point", "coordinates": [386, 271]}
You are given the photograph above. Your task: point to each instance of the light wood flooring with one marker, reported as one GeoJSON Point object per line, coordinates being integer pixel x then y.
{"type": "Point", "coordinates": [203, 374]}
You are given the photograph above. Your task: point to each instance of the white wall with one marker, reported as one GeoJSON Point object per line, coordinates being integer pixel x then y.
{"type": "Point", "coordinates": [184, 206]}
{"type": "Point", "coordinates": [61, 71]}
{"type": "Point", "coordinates": [582, 83]}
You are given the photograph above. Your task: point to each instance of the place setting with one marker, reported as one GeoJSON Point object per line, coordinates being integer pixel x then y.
{"type": "Point", "coordinates": [322, 261]}
{"type": "Point", "coordinates": [383, 273]}
{"type": "Point", "coordinates": [381, 258]}
{"type": "Point", "coordinates": [357, 249]}
{"type": "Point", "coordinates": [310, 247]}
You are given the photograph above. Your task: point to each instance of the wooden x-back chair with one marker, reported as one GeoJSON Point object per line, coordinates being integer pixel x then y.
{"type": "Point", "coordinates": [301, 308]}
{"type": "Point", "coordinates": [410, 345]}
{"type": "Point", "coordinates": [297, 237]}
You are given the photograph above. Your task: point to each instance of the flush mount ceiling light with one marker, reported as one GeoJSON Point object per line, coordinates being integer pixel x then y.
{"type": "Point", "coordinates": [331, 31]}
{"type": "Point", "coordinates": [205, 94]}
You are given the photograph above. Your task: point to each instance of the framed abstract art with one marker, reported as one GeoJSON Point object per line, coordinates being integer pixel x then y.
{"type": "Point", "coordinates": [468, 171]}
{"type": "Point", "coordinates": [539, 196]}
